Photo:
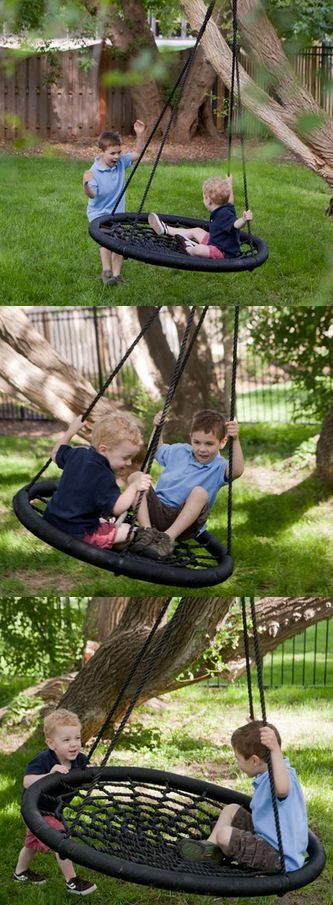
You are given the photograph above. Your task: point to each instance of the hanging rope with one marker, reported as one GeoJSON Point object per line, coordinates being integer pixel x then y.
{"type": "Point", "coordinates": [155, 313]}
{"type": "Point", "coordinates": [258, 659]}
{"type": "Point", "coordinates": [183, 356]}
{"type": "Point", "coordinates": [247, 658]}
{"type": "Point", "coordinates": [232, 416]}
{"type": "Point", "coordinates": [235, 79]}
{"type": "Point", "coordinates": [180, 83]}
{"type": "Point", "coordinates": [150, 665]}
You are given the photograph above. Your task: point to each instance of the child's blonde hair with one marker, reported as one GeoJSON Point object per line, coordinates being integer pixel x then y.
{"type": "Point", "coordinates": [218, 189]}
{"type": "Point", "coordinates": [57, 718]}
{"type": "Point", "coordinates": [111, 429]}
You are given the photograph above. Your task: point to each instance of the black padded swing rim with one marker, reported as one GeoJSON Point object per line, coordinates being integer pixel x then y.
{"type": "Point", "coordinates": [247, 885]}
{"type": "Point", "coordinates": [138, 567]}
{"type": "Point", "coordinates": [180, 261]}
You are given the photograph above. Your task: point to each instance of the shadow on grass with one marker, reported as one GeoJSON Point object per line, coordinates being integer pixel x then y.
{"type": "Point", "coordinates": [273, 513]}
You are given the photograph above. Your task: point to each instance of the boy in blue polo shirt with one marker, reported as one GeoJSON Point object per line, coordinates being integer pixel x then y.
{"type": "Point", "coordinates": [193, 475]}
{"type": "Point", "coordinates": [103, 184]}
{"type": "Point", "coordinates": [62, 730]}
{"type": "Point", "coordinates": [250, 839]}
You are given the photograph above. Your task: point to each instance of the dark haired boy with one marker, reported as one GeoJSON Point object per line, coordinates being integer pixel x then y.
{"type": "Point", "coordinates": [193, 474]}
{"type": "Point", "coordinates": [103, 184]}
{"type": "Point", "coordinates": [249, 837]}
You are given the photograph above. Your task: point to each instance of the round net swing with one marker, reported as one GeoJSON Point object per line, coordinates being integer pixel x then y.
{"type": "Point", "coordinates": [130, 235]}
{"type": "Point", "coordinates": [127, 822]}
{"type": "Point", "coordinates": [201, 561]}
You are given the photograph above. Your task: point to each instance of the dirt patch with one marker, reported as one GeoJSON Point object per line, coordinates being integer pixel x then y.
{"type": "Point", "coordinates": [199, 149]}
{"type": "Point", "coordinates": [277, 479]}
{"type": "Point", "coordinates": [30, 428]}
{"type": "Point", "coordinates": [38, 582]}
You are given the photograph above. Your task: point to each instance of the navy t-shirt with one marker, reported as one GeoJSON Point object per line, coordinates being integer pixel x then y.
{"type": "Point", "coordinates": [87, 489]}
{"type": "Point", "coordinates": [43, 763]}
{"type": "Point", "coordinates": [222, 232]}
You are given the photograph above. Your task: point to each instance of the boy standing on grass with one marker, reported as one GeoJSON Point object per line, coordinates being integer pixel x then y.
{"type": "Point", "coordinates": [223, 239]}
{"type": "Point", "coordinates": [88, 500]}
{"type": "Point", "coordinates": [62, 730]}
{"type": "Point", "coordinates": [103, 184]}
{"type": "Point", "coordinates": [193, 475]}
{"type": "Point", "coordinates": [250, 838]}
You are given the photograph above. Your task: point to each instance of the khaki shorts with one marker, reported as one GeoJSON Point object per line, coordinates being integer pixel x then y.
{"type": "Point", "coordinates": [162, 515]}
{"type": "Point", "coordinates": [247, 848]}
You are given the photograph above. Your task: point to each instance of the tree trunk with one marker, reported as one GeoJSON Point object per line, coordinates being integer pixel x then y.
{"type": "Point", "coordinates": [163, 358]}
{"type": "Point", "coordinates": [93, 691]}
{"type": "Point", "coordinates": [282, 121]}
{"type": "Point", "coordinates": [192, 117]}
{"type": "Point", "coordinates": [324, 452]}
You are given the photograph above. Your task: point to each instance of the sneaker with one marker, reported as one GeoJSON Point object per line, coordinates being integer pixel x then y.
{"type": "Point", "coordinates": [152, 543]}
{"type": "Point", "coordinates": [106, 276]}
{"type": "Point", "coordinates": [185, 243]}
{"type": "Point", "coordinates": [115, 281]}
{"type": "Point", "coordinates": [195, 850]}
{"type": "Point", "coordinates": [80, 887]}
{"type": "Point", "coordinates": [29, 876]}
{"type": "Point", "coordinates": [157, 225]}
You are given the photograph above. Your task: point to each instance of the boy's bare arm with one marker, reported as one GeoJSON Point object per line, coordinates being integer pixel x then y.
{"type": "Point", "coordinates": [237, 454]}
{"type": "Point", "coordinates": [127, 498]}
{"type": "Point", "coordinates": [280, 772]}
{"type": "Point", "coordinates": [73, 429]}
{"type": "Point", "coordinates": [156, 422]}
{"type": "Point", "coordinates": [88, 175]}
{"type": "Point", "coordinates": [30, 778]}
{"type": "Point", "coordinates": [139, 129]}
{"type": "Point", "coordinates": [247, 215]}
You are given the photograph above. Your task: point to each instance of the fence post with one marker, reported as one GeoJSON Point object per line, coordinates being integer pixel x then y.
{"type": "Point", "coordinates": [99, 364]}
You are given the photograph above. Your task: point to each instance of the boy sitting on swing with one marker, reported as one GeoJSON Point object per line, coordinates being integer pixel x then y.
{"type": "Point", "coordinates": [193, 475]}
{"type": "Point", "coordinates": [223, 239]}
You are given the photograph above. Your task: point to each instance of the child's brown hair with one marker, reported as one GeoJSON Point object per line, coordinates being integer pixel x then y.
{"type": "Point", "coordinates": [112, 428]}
{"type": "Point", "coordinates": [207, 420]}
{"type": "Point", "coordinates": [246, 740]}
{"type": "Point", "coordinates": [218, 189]}
{"type": "Point", "coordinates": [60, 717]}
{"type": "Point", "coordinates": [108, 138]}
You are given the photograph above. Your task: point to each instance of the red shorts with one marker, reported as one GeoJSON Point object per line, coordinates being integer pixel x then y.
{"type": "Point", "coordinates": [104, 536]}
{"type": "Point", "coordinates": [214, 251]}
{"type": "Point", "coordinates": [37, 845]}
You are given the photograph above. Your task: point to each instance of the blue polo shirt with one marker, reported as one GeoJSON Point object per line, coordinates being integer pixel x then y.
{"type": "Point", "coordinates": [87, 489]}
{"type": "Point", "coordinates": [292, 815]}
{"type": "Point", "coordinates": [183, 472]}
{"type": "Point", "coordinates": [43, 763]}
{"type": "Point", "coordinates": [222, 232]}
{"type": "Point", "coordinates": [108, 182]}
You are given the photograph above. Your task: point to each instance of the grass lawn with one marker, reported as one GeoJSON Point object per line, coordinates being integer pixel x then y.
{"type": "Point", "coordinates": [189, 732]}
{"type": "Point", "coordinates": [47, 257]}
{"type": "Point", "coordinates": [283, 524]}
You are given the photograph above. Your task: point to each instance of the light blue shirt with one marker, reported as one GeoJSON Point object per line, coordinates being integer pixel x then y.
{"type": "Point", "coordinates": [292, 816]}
{"type": "Point", "coordinates": [183, 472]}
{"type": "Point", "coordinates": [108, 182]}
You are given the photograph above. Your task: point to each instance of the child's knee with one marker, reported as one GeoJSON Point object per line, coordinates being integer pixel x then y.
{"type": "Point", "coordinates": [200, 494]}
{"type": "Point", "coordinates": [223, 837]}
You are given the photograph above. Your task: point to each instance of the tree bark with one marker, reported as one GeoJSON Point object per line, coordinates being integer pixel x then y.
{"type": "Point", "coordinates": [324, 451]}
{"type": "Point", "coordinates": [95, 688]}
{"type": "Point", "coordinates": [192, 117]}
{"type": "Point", "coordinates": [282, 121]}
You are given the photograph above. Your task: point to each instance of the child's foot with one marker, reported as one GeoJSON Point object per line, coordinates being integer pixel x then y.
{"type": "Point", "coordinates": [185, 243]}
{"type": "Point", "coordinates": [29, 876]}
{"type": "Point", "coordinates": [80, 887]}
{"type": "Point", "coordinates": [196, 850]}
{"type": "Point", "coordinates": [106, 276]}
{"type": "Point", "coordinates": [159, 227]}
{"type": "Point", "coordinates": [113, 281]}
{"type": "Point", "coordinates": [152, 543]}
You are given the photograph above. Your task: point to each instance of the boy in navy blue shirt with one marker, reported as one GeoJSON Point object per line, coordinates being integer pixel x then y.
{"type": "Point", "coordinates": [222, 240]}
{"type": "Point", "coordinates": [193, 474]}
{"type": "Point", "coordinates": [250, 838]}
{"type": "Point", "coordinates": [88, 495]}
{"type": "Point", "coordinates": [103, 184]}
{"type": "Point", "coordinates": [62, 730]}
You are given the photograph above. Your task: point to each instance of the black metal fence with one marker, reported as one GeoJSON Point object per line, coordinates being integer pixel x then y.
{"type": "Point", "coordinates": [93, 339]}
{"type": "Point", "coordinates": [306, 660]}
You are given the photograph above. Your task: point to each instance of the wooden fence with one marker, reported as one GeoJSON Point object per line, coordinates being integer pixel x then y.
{"type": "Point", "coordinates": [75, 103]}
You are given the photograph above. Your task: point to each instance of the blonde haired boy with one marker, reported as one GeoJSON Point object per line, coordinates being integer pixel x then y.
{"type": "Point", "coordinates": [62, 731]}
